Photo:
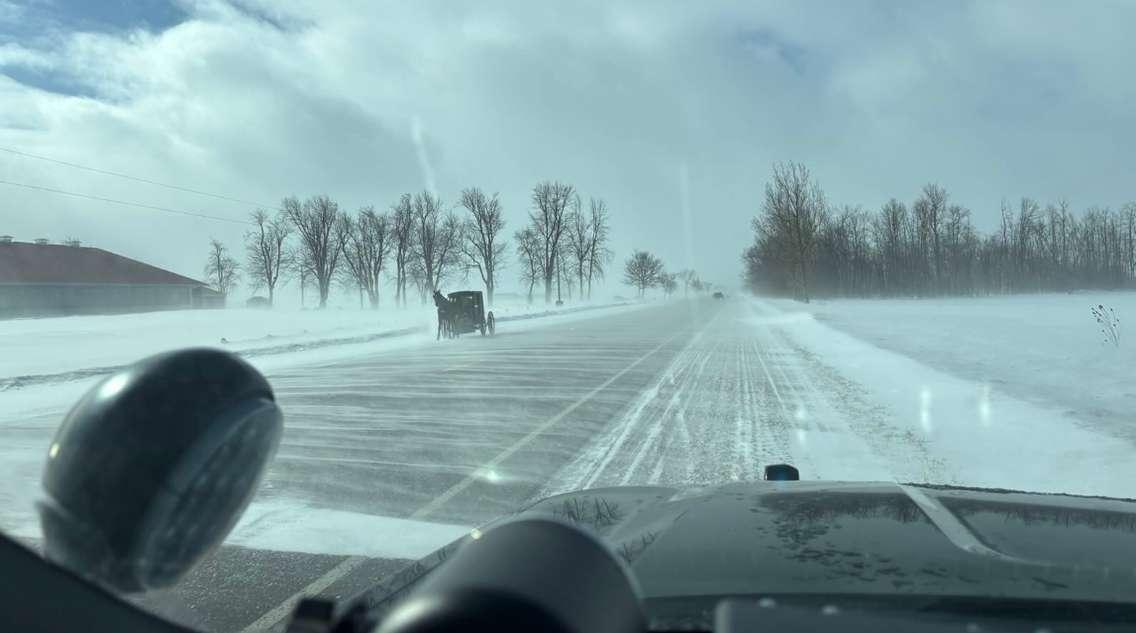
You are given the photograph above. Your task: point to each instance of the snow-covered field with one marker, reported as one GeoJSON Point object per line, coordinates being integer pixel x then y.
{"type": "Point", "coordinates": [1003, 392]}
{"type": "Point", "coordinates": [1044, 349]}
{"type": "Point", "coordinates": [36, 348]}
{"type": "Point", "coordinates": [61, 344]}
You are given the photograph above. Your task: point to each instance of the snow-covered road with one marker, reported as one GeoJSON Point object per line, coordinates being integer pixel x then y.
{"type": "Point", "coordinates": [391, 452]}
{"type": "Point", "coordinates": [741, 394]}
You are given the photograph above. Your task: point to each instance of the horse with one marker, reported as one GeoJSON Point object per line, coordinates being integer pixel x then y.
{"type": "Point", "coordinates": [444, 317]}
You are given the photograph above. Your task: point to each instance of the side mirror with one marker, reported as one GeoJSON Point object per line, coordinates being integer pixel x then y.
{"type": "Point", "coordinates": [154, 465]}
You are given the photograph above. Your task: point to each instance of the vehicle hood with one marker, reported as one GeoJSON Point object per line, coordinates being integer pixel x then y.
{"type": "Point", "coordinates": [824, 538]}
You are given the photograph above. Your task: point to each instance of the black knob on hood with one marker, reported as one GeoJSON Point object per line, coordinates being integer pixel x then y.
{"type": "Point", "coordinates": [523, 576]}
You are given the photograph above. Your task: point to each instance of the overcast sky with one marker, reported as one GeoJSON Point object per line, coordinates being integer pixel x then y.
{"type": "Point", "coordinates": [671, 112]}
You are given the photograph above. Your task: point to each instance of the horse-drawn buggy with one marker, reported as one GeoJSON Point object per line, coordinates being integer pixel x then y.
{"type": "Point", "coordinates": [463, 312]}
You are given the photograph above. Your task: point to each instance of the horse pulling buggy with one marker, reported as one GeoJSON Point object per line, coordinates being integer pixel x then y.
{"type": "Point", "coordinates": [463, 312]}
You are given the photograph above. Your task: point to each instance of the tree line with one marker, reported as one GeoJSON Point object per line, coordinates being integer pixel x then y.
{"type": "Point", "coordinates": [420, 243]}
{"type": "Point", "coordinates": [803, 246]}
{"type": "Point", "coordinates": [644, 270]}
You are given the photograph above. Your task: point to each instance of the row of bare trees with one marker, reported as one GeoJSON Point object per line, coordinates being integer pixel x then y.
{"type": "Point", "coordinates": [420, 242]}
{"type": "Point", "coordinates": [804, 247]}
{"type": "Point", "coordinates": [644, 270]}
{"type": "Point", "coordinates": [423, 243]}
{"type": "Point", "coordinates": [564, 245]}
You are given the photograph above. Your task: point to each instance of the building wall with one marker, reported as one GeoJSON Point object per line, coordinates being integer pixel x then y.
{"type": "Point", "coordinates": [29, 300]}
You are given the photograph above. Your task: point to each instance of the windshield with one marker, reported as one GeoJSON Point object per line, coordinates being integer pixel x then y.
{"type": "Point", "coordinates": [488, 253]}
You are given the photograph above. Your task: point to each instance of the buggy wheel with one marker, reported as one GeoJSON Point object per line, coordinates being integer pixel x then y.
{"type": "Point", "coordinates": [490, 324]}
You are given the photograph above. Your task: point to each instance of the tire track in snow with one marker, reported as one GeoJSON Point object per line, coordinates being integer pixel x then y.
{"type": "Point", "coordinates": [590, 468]}
{"type": "Point", "coordinates": [834, 406]}
{"type": "Point", "coordinates": [718, 413]}
{"type": "Point", "coordinates": [768, 419]}
{"type": "Point", "coordinates": [642, 417]}
{"type": "Point", "coordinates": [740, 395]}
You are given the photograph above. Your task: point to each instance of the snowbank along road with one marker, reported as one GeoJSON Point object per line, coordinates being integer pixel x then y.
{"type": "Point", "coordinates": [389, 455]}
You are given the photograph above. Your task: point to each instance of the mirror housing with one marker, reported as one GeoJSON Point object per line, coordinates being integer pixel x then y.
{"type": "Point", "coordinates": [154, 465]}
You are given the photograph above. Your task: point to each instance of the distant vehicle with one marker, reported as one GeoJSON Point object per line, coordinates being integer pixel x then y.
{"type": "Point", "coordinates": [719, 295]}
{"type": "Point", "coordinates": [467, 314]}
{"type": "Point", "coordinates": [258, 302]}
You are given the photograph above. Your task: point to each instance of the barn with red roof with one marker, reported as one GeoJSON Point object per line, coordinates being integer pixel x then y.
{"type": "Point", "coordinates": [42, 279]}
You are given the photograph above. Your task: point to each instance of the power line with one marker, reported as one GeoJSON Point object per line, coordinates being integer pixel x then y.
{"type": "Point", "coordinates": [134, 178]}
{"type": "Point", "coordinates": [123, 202]}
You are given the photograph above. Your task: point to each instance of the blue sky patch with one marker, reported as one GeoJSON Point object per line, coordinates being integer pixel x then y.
{"type": "Point", "coordinates": [41, 25]}
{"type": "Point", "coordinates": [98, 16]}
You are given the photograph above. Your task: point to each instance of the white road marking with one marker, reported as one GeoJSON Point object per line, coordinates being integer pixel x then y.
{"type": "Point", "coordinates": [538, 431]}
{"type": "Point", "coordinates": [282, 610]}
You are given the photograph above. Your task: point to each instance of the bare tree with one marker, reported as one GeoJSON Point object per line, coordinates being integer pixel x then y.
{"type": "Point", "coordinates": [402, 250]}
{"type": "Point", "coordinates": [479, 236]}
{"type": "Point", "coordinates": [578, 242]}
{"type": "Point", "coordinates": [564, 271]}
{"type": "Point", "coordinates": [301, 272]}
{"type": "Point", "coordinates": [436, 239]}
{"type": "Point", "coordinates": [221, 268]}
{"type": "Point", "coordinates": [929, 212]}
{"type": "Point", "coordinates": [668, 282]}
{"type": "Point", "coordinates": [323, 234]}
{"type": "Point", "coordinates": [793, 214]}
{"type": "Point", "coordinates": [550, 204]}
{"type": "Point", "coordinates": [528, 254]}
{"type": "Point", "coordinates": [642, 270]}
{"type": "Point", "coordinates": [417, 274]}
{"type": "Point", "coordinates": [890, 229]}
{"type": "Point", "coordinates": [368, 244]}
{"type": "Point", "coordinates": [267, 251]}
{"type": "Point", "coordinates": [687, 277]}
{"type": "Point", "coordinates": [598, 233]}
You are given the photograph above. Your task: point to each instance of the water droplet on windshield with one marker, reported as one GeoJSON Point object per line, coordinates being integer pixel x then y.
{"type": "Point", "coordinates": [925, 409]}
{"type": "Point", "coordinates": [984, 405]}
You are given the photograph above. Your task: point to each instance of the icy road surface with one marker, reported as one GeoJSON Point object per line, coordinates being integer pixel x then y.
{"type": "Point", "coordinates": [389, 454]}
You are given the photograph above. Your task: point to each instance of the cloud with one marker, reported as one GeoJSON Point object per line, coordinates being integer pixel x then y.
{"type": "Point", "coordinates": [638, 103]}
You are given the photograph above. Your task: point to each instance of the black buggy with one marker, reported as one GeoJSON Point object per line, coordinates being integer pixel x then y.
{"type": "Point", "coordinates": [465, 313]}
